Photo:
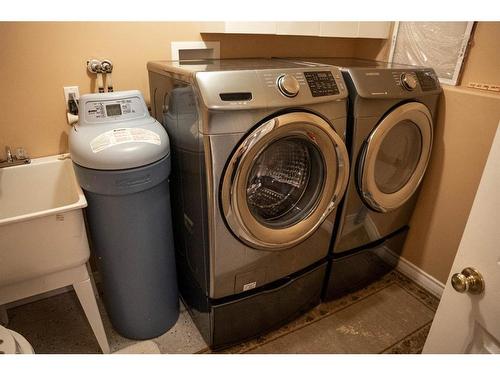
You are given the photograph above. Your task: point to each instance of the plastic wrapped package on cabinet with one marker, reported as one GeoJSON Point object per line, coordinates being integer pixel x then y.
{"type": "Point", "coordinates": [433, 44]}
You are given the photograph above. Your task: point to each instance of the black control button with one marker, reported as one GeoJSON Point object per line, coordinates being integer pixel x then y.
{"type": "Point", "coordinates": [427, 80]}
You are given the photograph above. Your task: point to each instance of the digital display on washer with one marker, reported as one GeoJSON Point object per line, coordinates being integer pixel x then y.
{"type": "Point", "coordinates": [427, 80]}
{"type": "Point", "coordinates": [321, 83]}
{"type": "Point", "coordinates": [113, 110]}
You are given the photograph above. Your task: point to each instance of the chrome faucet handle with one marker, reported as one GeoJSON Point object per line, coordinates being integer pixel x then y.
{"type": "Point", "coordinates": [9, 154]}
{"type": "Point", "coordinates": [21, 154]}
{"type": "Point", "coordinates": [12, 160]}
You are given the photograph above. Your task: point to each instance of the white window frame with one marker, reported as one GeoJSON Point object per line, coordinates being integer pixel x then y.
{"type": "Point", "coordinates": [461, 53]}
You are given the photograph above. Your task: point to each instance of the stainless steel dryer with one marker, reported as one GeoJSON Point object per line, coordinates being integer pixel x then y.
{"type": "Point", "coordinates": [259, 166]}
{"type": "Point", "coordinates": [392, 109]}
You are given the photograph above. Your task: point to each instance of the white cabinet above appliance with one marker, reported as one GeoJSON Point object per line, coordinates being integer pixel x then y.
{"type": "Point", "coordinates": [374, 29]}
{"type": "Point", "coordinates": [378, 30]}
{"type": "Point", "coordinates": [239, 27]}
{"type": "Point", "coordinates": [298, 28]}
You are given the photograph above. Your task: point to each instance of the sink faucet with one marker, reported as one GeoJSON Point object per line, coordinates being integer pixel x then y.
{"type": "Point", "coordinates": [11, 160]}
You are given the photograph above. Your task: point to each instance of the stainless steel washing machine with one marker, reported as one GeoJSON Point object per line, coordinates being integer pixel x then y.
{"type": "Point", "coordinates": [259, 166]}
{"type": "Point", "coordinates": [392, 109]}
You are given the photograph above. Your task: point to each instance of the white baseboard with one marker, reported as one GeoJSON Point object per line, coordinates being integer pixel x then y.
{"type": "Point", "coordinates": [411, 271]}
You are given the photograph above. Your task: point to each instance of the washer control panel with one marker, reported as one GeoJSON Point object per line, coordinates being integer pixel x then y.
{"type": "Point", "coordinates": [270, 88]}
{"type": "Point", "coordinates": [321, 83]}
{"type": "Point", "coordinates": [291, 84]}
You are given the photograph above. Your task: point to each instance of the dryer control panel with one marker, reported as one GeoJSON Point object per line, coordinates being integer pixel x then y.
{"type": "Point", "coordinates": [394, 83]}
{"type": "Point", "coordinates": [427, 79]}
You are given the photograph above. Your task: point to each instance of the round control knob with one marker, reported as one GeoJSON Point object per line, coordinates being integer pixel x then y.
{"type": "Point", "coordinates": [408, 81]}
{"type": "Point", "coordinates": [288, 85]}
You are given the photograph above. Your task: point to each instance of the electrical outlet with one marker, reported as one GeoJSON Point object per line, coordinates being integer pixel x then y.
{"type": "Point", "coordinates": [67, 91]}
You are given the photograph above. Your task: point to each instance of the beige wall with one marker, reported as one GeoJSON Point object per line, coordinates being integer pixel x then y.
{"type": "Point", "coordinates": [483, 61]}
{"type": "Point", "coordinates": [38, 59]}
{"type": "Point", "coordinates": [240, 45]}
{"type": "Point", "coordinates": [466, 124]}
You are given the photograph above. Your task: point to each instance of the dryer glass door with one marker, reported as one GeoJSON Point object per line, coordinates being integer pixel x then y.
{"type": "Point", "coordinates": [394, 157]}
{"type": "Point", "coordinates": [284, 180]}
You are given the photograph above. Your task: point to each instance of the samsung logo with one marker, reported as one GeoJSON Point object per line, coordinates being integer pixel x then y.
{"type": "Point", "coordinates": [372, 74]}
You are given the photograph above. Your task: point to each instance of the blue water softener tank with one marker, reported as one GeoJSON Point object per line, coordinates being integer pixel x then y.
{"type": "Point", "coordinates": [121, 156]}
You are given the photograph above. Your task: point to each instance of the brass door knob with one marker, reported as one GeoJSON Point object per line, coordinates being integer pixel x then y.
{"type": "Point", "coordinates": [469, 280]}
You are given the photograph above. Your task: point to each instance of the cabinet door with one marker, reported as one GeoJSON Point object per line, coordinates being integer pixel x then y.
{"type": "Point", "coordinates": [212, 27]}
{"type": "Point", "coordinates": [339, 29]}
{"type": "Point", "coordinates": [327, 29]}
{"type": "Point", "coordinates": [238, 27]}
{"type": "Point", "coordinates": [250, 27]}
{"type": "Point", "coordinates": [374, 30]}
{"type": "Point", "coordinates": [298, 28]}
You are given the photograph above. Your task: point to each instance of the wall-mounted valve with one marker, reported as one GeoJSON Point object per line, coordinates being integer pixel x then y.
{"type": "Point", "coordinates": [100, 68]}
{"type": "Point", "coordinates": [107, 68]}
{"type": "Point", "coordinates": [94, 66]}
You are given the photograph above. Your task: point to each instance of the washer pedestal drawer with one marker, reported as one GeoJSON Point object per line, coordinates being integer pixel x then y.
{"type": "Point", "coordinates": [229, 321]}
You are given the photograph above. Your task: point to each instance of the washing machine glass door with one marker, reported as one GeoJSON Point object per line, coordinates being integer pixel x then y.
{"type": "Point", "coordinates": [283, 180]}
{"type": "Point", "coordinates": [394, 157]}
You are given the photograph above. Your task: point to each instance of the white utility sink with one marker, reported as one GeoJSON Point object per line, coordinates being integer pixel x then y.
{"type": "Point", "coordinates": [46, 186]}
{"type": "Point", "coordinates": [41, 221]}
{"type": "Point", "coordinates": [43, 241]}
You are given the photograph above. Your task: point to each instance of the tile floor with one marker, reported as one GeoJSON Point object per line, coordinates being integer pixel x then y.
{"type": "Point", "coordinates": [392, 315]}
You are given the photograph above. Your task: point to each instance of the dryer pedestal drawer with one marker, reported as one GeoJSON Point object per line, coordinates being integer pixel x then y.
{"type": "Point", "coordinates": [355, 271]}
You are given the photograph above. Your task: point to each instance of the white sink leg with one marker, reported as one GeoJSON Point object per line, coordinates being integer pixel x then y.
{"type": "Point", "coordinates": [85, 294]}
{"type": "Point", "coordinates": [4, 317]}
{"type": "Point", "coordinates": [92, 280]}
